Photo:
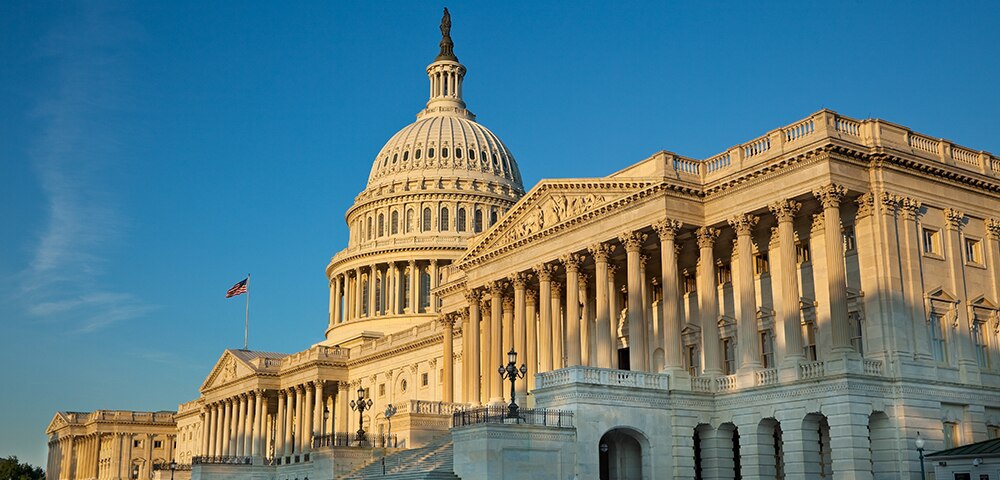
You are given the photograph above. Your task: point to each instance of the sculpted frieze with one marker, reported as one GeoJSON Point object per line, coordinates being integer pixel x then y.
{"type": "Point", "coordinates": [550, 212]}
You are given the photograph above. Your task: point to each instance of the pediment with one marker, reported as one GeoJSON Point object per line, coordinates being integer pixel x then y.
{"type": "Point", "coordinates": [58, 421]}
{"type": "Point", "coordinates": [983, 302]}
{"type": "Point", "coordinates": [552, 204]}
{"type": "Point", "coordinates": [941, 294]}
{"type": "Point", "coordinates": [229, 368]}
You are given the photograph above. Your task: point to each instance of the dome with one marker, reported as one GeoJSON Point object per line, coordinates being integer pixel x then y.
{"type": "Point", "coordinates": [445, 146]}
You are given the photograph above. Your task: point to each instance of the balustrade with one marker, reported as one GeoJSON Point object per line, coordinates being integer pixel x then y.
{"type": "Point", "coordinates": [873, 367]}
{"type": "Point", "coordinates": [812, 370]}
{"type": "Point", "coordinates": [767, 376]}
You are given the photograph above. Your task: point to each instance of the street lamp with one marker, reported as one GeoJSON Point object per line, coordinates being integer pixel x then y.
{"type": "Point", "coordinates": [173, 466]}
{"type": "Point", "coordinates": [326, 417]}
{"type": "Point", "coordinates": [512, 373]}
{"type": "Point", "coordinates": [920, 448]}
{"type": "Point", "coordinates": [361, 405]}
{"type": "Point", "coordinates": [390, 410]}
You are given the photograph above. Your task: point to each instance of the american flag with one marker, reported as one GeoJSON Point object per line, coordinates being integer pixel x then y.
{"type": "Point", "coordinates": [239, 289]}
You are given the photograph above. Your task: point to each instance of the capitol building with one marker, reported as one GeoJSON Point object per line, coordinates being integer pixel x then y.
{"type": "Point", "coordinates": [798, 306]}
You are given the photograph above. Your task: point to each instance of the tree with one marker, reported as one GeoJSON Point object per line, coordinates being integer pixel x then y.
{"type": "Point", "coordinates": [12, 469]}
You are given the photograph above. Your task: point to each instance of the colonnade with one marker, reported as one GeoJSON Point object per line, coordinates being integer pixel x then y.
{"type": "Point", "coordinates": [79, 457]}
{"type": "Point", "coordinates": [580, 325]}
{"type": "Point", "coordinates": [244, 425]}
{"type": "Point", "coordinates": [383, 289]}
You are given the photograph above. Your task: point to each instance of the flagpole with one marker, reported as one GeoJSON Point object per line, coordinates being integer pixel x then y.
{"type": "Point", "coordinates": [246, 323]}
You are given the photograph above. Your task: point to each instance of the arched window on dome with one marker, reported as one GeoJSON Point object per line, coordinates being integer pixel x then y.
{"type": "Point", "coordinates": [426, 227]}
{"type": "Point", "coordinates": [483, 158]}
{"type": "Point", "coordinates": [378, 294]}
{"type": "Point", "coordinates": [472, 154]}
{"type": "Point", "coordinates": [458, 153]}
{"type": "Point", "coordinates": [444, 152]}
{"type": "Point", "coordinates": [409, 221]}
{"type": "Point", "coordinates": [430, 152]}
{"type": "Point", "coordinates": [381, 225]}
{"type": "Point", "coordinates": [394, 222]}
{"type": "Point", "coordinates": [406, 155]}
{"type": "Point", "coordinates": [496, 161]}
{"type": "Point", "coordinates": [369, 228]}
{"type": "Point", "coordinates": [460, 220]}
{"type": "Point", "coordinates": [395, 156]}
{"type": "Point", "coordinates": [364, 294]}
{"type": "Point", "coordinates": [417, 155]}
{"type": "Point", "coordinates": [477, 221]}
{"type": "Point", "coordinates": [493, 216]}
{"type": "Point", "coordinates": [443, 220]}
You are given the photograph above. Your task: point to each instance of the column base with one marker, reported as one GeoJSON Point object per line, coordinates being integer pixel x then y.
{"type": "Point", "coordinates": [746, 377]}
{"type": "Point", "coordinates": [680, 379]}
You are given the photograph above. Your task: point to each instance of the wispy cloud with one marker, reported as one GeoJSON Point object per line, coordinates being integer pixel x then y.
{"type": "Point", "coordinates": [75, 150]}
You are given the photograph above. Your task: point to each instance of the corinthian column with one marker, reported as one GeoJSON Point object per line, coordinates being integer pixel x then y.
{"type": "Point", "coordinates": [531, 336]}
{"type": "Point", "coordinates": [586, 315]}
{"type": "Point", "coordinates": [614, 313]}
{"type": "Point", "coordinates": [448, 384]}
{"type": "Point", "coordinates": [670, 321]}
{"type": "Point", "coordinates": [791, 319]}
{"type": "Point", "coordinates": [556, 332]}
{"type": "Point", "coordinates": [279, 425]}
{"type": "Point", "coordinates": [227, 429]}
{"type": "Point", "coordinates": [749, 343]}
{"type": "Point", "coordinates": [708, 300]}
{"type": "Point", "coordinates": [317, 412]}
{"type": "Point", "coordinates": [830, 196]}
{"type": "Point", "coordinates": [495, 340]}
{"type": "Point", "coordinates": [473, 356]}
{"type": "Point", "coordinates": [572, 340]}
{"type": "Point", "coordinates": [636, 329]}
{"type": "Point", "coordinates": [544, 273]}
{"type": "Point", "coordinates": [600, 252]}
{"type": "Point", "coordinates": [519, 281]}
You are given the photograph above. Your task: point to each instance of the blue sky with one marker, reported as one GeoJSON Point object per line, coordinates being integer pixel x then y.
{"type": "Point", "coordinates": [151, 154]}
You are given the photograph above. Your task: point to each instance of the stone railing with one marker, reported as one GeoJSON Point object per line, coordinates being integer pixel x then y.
{"type": "Point", "coordinates": [872, 367]}
{"type": "Point", "coordinates": [130, 416]}
{"type": "Point", "coordinates": [703, 384]}
{"type": "Point", "coordinates": [221, 460]}
{"type": "Point", "coordinates": [725, 383]}
{"type": "Point", "coordinates": [812, 370]}
{"type": "Point", "coordinates": [826, 124]}
{"type": "Point", "coordinates": [429, 408]}
{"type": "Point", "coordinates": [403, 336]}
{"type": "Point", "coordinates": [768, 376]}
{"type": "Point", "coordinates": [603, 376]}
{"type": "Point", "coordinates": [502, 414]}
{"type": "Point", "coordinates": [409, 240]}
{"type": "Point", "coordinates": [316, 353]}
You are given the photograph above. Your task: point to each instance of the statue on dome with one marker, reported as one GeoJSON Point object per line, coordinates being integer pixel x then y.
{"type": "Point", "coordinates": [446, 24]}
{"type": "Point", "coordinates": [447, 46]}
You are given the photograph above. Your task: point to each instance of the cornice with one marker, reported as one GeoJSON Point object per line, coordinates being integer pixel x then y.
{"type": "Point", "coordinates": [952, 175]}
{"type": "Point", "coordinates": [406, 197]}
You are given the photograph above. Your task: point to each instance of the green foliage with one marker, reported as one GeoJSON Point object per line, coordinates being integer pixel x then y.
{"type": "Point", "coordinates": [11, 469]}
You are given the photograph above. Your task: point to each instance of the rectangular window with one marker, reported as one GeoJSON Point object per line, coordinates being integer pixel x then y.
{"type": "Point", "coordinates": [802, 253]}
{"type": "Point", "coordinates": [938, 346]}
{"type": "Point", "coordinates": [857, 332]}
{"type": "Point", "coordinates": [724, 274]}
{"type": "Point", "coordinates": [157, 444]}
{"type": "Point", "coordinates": [932, 242]}
{"type": "Point", "coordinates": [993, 431]}
{"type": "Point", "coordinates": [136, 443]}
{"type": "Point", "coordinates": [729, 356]}
{"type": "Point", "coordinates": [979, 344]}
{"type": "Point", "coordinates": [368, 393]}
{"type": "Point", "coordinates": [381, 389]}
{"type": "Point", "coordinates": [952, 438]}
{"type": "Point", "coordinates": [809, 341]}
{"type": "Point", "coordinates": [849, 240]}
{"type": "Point", "coordinates": [760, 264]}
{"type": "Point", "coordinates": [423, 379]}
{"type": "Point", "coordinates": [973, 251]}
{"type": "Point", "coordinates": [690, 284]}
{"type": "Point", "coordinates": [693, 360]}
{"type": "Point", "coordinates": [767, 348]}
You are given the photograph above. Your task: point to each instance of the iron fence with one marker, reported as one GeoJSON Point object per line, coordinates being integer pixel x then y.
{"type": "Point", "coordinates": [166, 466]}
{"type": "Point", "coordinates": [501, 414]}
{"type": "Point", "coordinates": [370, 440]}
{"type": "Point", "coordinates": [221, 460]}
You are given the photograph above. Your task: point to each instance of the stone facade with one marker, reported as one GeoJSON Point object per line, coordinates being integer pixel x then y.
{"type": "Point", "coordinates": [797, 306]}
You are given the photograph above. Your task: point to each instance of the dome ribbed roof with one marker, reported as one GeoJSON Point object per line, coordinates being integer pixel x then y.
{"type": "Point", "coordinates": [445, 146]}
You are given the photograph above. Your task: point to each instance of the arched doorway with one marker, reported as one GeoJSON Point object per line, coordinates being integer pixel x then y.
{"type": "Point", "coordinates": [621, 455]}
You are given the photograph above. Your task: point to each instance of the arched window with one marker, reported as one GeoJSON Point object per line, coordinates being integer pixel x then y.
{"type": "Point", "coordinates": [394, 223]}
{"type": "Point", "coordinates": [406, 155]}
{"type": "Point", "coordinates": [472, 154]}
{"type": "Point", "coordinates": [458, 153]}
{"type": "Point", "coordinates": [395, 156]}
{"type": "Point", "coordinates": [444, 152]}
{"type": "Point", "coordinates": [443, 221]}
{"type": "Point", "coordinates": [477, 221]}
{"type": "Point", "coordinates": [426, 220]}
{"type": "Point", "coordinates": [381, 225]}
{"type": "Point", "coordinates": [409, 221]}
{"type": "Point", "coordinates": [430, 152]}
{"type": "Point", "coordinates": [493, 216]}
{"type": "Point", "coordinates": [378, 294]}
{"type": "Point", "coordinates": [460, 220]}
{"type": "Point", "coordinates": [417, 156]}
{"type": "Point", "coordinates": [369, 228]}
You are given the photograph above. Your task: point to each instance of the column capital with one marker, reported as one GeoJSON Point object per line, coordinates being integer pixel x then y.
{"type": "Point", "coordinates": [519, 279]}
{"type": "Point", "coordinates": [472, 296]}
{"type": "Point", "coordinates": [866, 204]}
{"type": "Point", "coordinates": [572, 262]}
{"type": "Point", "coordinates": [446, 320]}
{"type": "Point", "coordinates": [299, 388]}
{"type": "Point", "coordinates": [531, 297]}
{"type": "Point", "coordinates": [706, 236]}
{"type": "Point", "coordinates": [496, 287]}
{"type": "Point", "coordinates": [612, 269]}
{"type": "Point", "coordinates": [282, 392]}
{"type": "Point", "coordinates": [632, 240]}
{"type": "Point", "coordinates": [601, 251]}
{"type": "Point", "coordinates": [556, 287]}
{"type": "Point", "coordinates": [954, 217]}
{"type": "Point", "coordinates": [643, 260]}
{"type": "Point", "coordinates": [830, 195]}
{"type": "Point", "coordinates": [583, 277]}
{"type": "Point", "coordinates": [743, 223]}
{"type": "Point", "coordinates": [508, 304]}
{"type": "Point", "coordinates": [785, 210]}
{"type": "Point", "coordinates": [545, 271]}
{"type": "Point", "coordinates": [667, 228]}
{"type": "Point", "coordinates": [817, 223]}
{"type": "Point", "coordinates": [993, 228]}
{"type": "Point", "coordinates": [910, 208]}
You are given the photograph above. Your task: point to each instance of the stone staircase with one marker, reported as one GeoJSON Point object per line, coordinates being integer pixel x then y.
{"type": "Point", "coordinates": [431, 462]}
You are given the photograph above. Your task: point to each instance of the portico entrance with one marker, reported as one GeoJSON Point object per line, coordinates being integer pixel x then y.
{"type": "Point", "coordinates": [621, 452]}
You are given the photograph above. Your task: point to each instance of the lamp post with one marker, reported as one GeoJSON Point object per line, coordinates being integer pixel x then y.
{"type": "Point", "coordinates": [511, 372]}
{"type": "Point", "coordinates": [135, 471]}
{"type": "Point", "coordinates": [390, 410]}
{"type": "Point", "coordinates": [361, 405]}
{"type": "Point", "coordinates": [326, 417]}
{"type": "Point", "coordinates": [920, 448]}
{"type": "Point", "coordinates": [173, 466]}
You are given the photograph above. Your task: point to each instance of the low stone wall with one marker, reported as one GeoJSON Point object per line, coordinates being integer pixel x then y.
{"type": "Point", "coordinates": [515, 452]}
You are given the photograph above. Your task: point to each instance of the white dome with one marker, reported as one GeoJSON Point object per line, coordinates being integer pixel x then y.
{"type": "Point", "coordinates": [445, 146]}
